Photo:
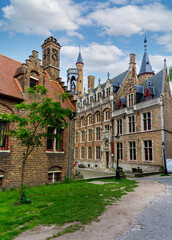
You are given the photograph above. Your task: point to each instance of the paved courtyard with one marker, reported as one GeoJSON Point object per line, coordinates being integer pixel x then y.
{"type": "Point", "coordinates": [155, 222]}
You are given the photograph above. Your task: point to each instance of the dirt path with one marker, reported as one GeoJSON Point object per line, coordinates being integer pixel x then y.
{"type": "Point", "coordinates": [112, 223]}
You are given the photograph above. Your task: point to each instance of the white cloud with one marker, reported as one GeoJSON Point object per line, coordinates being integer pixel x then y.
{"type": "Point", "coordinates": [132, 19]}
{"type": "Point", "coordinates": [157, 62]}
{"type": "Point", "coordinates": [41, 16]}
{"type": "Point", "coordinates": [165, 40]}
{"type": "Point", "coordinates": [98, 60]}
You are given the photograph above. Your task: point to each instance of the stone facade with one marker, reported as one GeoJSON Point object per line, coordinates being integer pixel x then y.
{"type": "Point", "coordinates": [43, 165]}
{"type": "Point", "coordinates": [139, 125]}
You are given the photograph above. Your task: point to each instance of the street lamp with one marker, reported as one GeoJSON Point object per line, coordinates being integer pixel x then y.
{"type": "Point", "coordinates": [164, 156]}
{"type": "Point", "coordinates": [117, 160]}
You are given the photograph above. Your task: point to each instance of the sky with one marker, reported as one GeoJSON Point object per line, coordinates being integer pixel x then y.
{"type": "Point", "coordinates": [106, 32]}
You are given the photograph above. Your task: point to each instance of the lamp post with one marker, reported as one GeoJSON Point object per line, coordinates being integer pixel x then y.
{"type": "Point", "coordinates": [164, 156]}
{"type": "Point", "coordinates": [117, 160]}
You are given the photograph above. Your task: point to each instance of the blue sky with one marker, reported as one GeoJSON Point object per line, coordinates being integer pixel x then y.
{"type": "Point", "coordinates": [107, 31]}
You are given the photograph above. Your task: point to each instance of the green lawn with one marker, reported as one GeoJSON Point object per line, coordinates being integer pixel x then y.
{"type": "Point", "coordinates": [58, 203]}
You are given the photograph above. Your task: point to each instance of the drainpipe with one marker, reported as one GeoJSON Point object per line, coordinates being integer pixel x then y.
{"type": "Point", "coordinates": [112, 143]}
{"type": "Point", "coordinates": [164, 143]}
{"type": "Point", "coordinates": [71, 116]}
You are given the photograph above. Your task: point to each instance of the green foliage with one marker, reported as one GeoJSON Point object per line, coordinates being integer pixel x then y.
{"type": "Point", "coordinates": [32, 121]}
{"type": "Point", "coordinates": [169, 78]}
{"type": "Point", "coordinates": [38, 115]}
{"type": "Point", "coordinates": [25, 199]}
{"type": "Point", "coordinates": [58, 204]}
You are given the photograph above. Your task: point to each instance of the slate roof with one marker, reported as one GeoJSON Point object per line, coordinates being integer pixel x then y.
{"type": "Point", "coordinates": [79, 60]}
{"type": "Point", "coordinates": [145, 66]}
{"type": "Point", "coordinates": [155, 89]}
{"type": "Point", "coordinates": [116, 81]}
{"type": "Point", "coordinates": [8, 68]}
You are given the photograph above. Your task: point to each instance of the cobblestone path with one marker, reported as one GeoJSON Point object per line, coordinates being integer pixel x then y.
{"type": "Point", "coordinates": [155, 222]}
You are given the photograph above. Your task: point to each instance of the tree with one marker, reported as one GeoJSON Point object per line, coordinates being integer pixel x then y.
{"type": "Point", "coordinates": [31, 126]}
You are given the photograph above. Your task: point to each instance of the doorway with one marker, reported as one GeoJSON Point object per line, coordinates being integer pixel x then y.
{"type": "Point", "coordinates": [107, 159]}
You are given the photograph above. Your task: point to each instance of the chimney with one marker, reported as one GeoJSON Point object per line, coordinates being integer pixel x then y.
{"type": "Point", "coordinates": [90, 82]}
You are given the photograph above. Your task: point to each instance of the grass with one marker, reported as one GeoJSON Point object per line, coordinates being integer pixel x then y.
{"type": "Point", "coordinates": [58, 203]}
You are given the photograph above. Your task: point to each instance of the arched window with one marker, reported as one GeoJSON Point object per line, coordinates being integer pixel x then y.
{"type": "Point", "coordinates": [89, 119]}
{"type": "Point", "coordinates": [97, 117]}
{"type": "Point", "coordinates": [54, 174]}
{"type": "Point", "coordinates": [1, 178]}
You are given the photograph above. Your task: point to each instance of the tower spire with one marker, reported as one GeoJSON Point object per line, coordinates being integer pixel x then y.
{"type": "Point", "coordinates": [145, 43]}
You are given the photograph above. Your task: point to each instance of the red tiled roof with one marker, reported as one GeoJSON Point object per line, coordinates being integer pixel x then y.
{"type": "Point", "coordinates": [8, 85]}
{"type": "Point", "coordinates": [54, 87]}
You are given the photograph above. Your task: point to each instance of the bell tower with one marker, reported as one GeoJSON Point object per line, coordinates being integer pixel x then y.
{"type": "Point", "coordinates": [79, 65]}
{"type": "Point", "coordinates": [51, 57]}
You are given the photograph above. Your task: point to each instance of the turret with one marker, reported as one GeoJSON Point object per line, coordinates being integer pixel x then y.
{"type": "Point", "coordinates": [79, 65]}
{"type": "Point", "coordinates": [146, 71]}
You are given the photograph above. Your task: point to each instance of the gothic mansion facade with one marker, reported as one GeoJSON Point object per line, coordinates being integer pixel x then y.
{"type": "Point", "coordinates": [137, 109]}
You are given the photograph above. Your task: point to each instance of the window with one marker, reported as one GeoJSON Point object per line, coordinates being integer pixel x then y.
{"type": "Point", "coordinates": [107, 92]}
{"type": "Point", "coordinates": [83, 136]}
{"type": "Point", "coordinates": [147, 121]}
{"type": "Point", "coordinates": [148, 95]}
{"type": "Point", "coordinates": [89, 120]}
{"type": "Point", "coordinates": [76, 123]}
{"type": "Point", "coordinates": [97, 117]}
{"type": "Point", "coordinates": [130, 100]}
{"type": "Point", "coordinates": [76, 152]}
{"type": "Point", "coordinates": [89, 135]}
{"type": "Point", "coordinates": [98, 133]}
{"type": "Point", "coordinates": [97, 152]}
{"type": "Point", "coordinates": [99, 96]}
{"type": "Point", "coordinates": [114, 106]}
{"type": "Point", "coordinates": [148, 150]}
{"type": "Point", "coordinates": [91, 99]}
{"type": "Point", "coordinates": [76, 137]}
{"type": "Point", "coordinates": [55, 144]}
{"type": "Point", "coordinates": [131, 124]}
{"type": "Point", "coordinates": [82, 122]}
{"type": "Point", "coordinates": [119, 126]}
{"type": "Point", "coordinates": [54, 176]}
{"type": "Point", "coordinates": [33, 83]}
{"type": "Point", "coordinates": [132, 146]}
{"type": "Point", "coordinates": [119, 151]}
{"type": "Point", "coordinates": [89, 152]}
{"type": "Point", "coordinates": [84, 102]}
{"type": "Point", "coordinates": [3, 135]}
{"type": "Point", "coordinates": [1, 178]}
{"type": "Point", "coordinates": [82, 152]}
{"type": "Point", "coordinates": [107, 115]}
{"type": "Point", "coordinates": [106, 127]}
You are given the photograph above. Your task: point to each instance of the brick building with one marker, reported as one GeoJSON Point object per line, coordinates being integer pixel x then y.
{"type": "Point", "coordinates": [136, 107]}
{"type": "Point", "coordinates": [49, 163]}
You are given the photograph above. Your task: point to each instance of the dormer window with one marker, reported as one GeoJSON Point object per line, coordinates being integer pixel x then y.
{"type": "Point", "coordinates": [33, 83]}
{"type": "Point", "coordinates": [98, 96]}
{"type": "Point", "coordinates": [91, 99]}
{"type": "Point", "coordinates": [130, 100]}
{"type": "Point", "coordinates": [107, 91]}
{"type": "Point", "coordinates": [120, 105]}
{"type": "Point", "coordinates": [148, 95]}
